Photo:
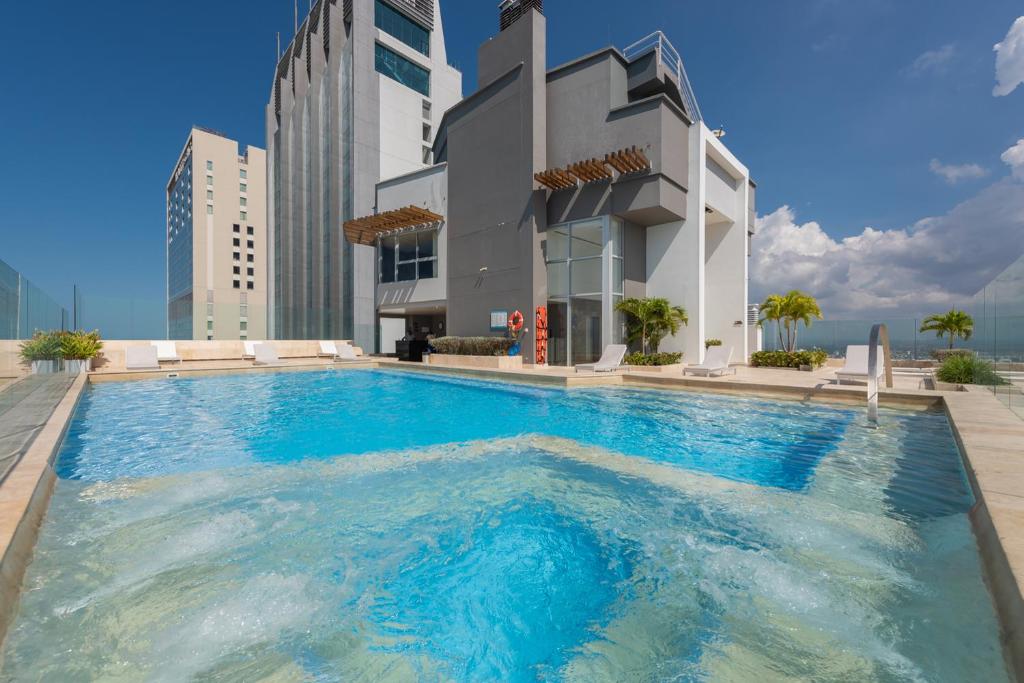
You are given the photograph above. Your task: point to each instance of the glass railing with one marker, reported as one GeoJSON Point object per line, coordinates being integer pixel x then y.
{"type": "Point", "coordinates": [998, 311]}
{"type": "Point", "coordinates": [25, 308]}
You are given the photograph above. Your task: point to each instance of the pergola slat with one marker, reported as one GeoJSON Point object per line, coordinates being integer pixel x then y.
{"type": "Point", "coordinates": [624, 161]}
{"type": "Point", "coordinates": [366, 229]}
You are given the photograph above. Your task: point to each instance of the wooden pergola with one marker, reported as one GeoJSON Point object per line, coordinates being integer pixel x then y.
{"type": "Point", "coordinates": [367, 229]}
{"type": "Point", "coordinates": [624, 162]}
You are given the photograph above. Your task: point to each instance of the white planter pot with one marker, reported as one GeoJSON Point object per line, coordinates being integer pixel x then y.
{"type": "Point", "coordinates": [44, 367]}
{"type": "Point", "coordinates": [75, 367]}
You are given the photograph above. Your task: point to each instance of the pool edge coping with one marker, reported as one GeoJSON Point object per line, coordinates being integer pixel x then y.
{"type": "Point", "coordinates": [25, 498]}
{"type": "Point", "coordinates": [983, 429]}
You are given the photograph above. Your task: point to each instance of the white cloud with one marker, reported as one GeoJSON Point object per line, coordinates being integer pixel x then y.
{"type": "Point", "coordinates": [1010, 60]}
{"type": "Point", "coordinates": [933, 264]}
{"type": "Point", "coordinates": [954, 173]}
{"type": "Point", "coordinates": [1014, 158]}
{"type": "Point", "coordinates": [932, 60]}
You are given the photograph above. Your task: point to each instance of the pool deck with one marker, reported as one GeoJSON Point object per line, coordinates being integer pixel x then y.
{"type": "Point", "coordinates": [990, 436]}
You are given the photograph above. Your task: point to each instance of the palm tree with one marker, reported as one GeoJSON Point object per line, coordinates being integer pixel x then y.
{"type": "Point", "coordinates": [649, 320]}
{"type": "Point", "coordinates": [799, 307]}
{"type": "Point", "coordinates": [772, 311]}
{"type": "Point", "coordinates": [954, 323]}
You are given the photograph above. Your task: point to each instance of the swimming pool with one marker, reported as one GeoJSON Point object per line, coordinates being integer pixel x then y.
{"type": "Point", "coordinates": [383, 524]}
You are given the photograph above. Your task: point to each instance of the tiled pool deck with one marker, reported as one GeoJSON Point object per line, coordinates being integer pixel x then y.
{"type": "Point", "coordinates": [991, 440]}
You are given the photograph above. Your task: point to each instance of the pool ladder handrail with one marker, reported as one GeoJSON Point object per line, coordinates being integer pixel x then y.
{"type": "Point", "coordinates": [878, 331]}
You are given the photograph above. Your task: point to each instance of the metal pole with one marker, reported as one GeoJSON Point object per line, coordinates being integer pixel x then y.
{"type": "Point", "coordinates": [879, 332]}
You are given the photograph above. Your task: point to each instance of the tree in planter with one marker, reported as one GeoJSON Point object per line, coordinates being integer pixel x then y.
{"type": "Point", "coordinates": [789, 311]}
{"type": "Point", "coordinates": [954, 323]}
{"type": "Point", "coordinates": [650, 320]}
{"type": "Point", "coordinates": [80, 345]}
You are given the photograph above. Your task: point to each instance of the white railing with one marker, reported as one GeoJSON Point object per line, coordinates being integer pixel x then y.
{"type": "Point", "coordinates": [668, 56]}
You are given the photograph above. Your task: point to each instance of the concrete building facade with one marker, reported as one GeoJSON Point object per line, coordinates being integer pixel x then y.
{"type": "Point", "coordinates": [357, 96]}
{"type": "Point", "coordinates": [574, 187]}
{"type": "Point", "coordinates": [216, 240]}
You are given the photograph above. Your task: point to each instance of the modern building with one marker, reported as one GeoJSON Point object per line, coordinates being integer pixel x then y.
{"type": "Point", "coordinates": [567, 189]}
{"type": "Point", "coordinates": [216, 240]}
{"type": "Point", "coordinates": [357, 96]}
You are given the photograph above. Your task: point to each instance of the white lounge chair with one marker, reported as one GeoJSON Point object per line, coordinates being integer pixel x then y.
{"type": "Point", "coordinates": [610, 360]}
{"type": "Point", "coordinates": [264, 354]}
{"type": "Point", "coordinates": [855, 367]}
{"type": "Point", "coordinates": [716, 361]}
{"type": "Point", "coordinates": [328, 348]}
{"type": "Point", "coordinates": [166, 351]}
{"type": "Point", "coordinates": [346, 352]}
{"type": "Point", "coordinates": [249, 350]}
{"type": "Point", "coordinates": [141, 358]}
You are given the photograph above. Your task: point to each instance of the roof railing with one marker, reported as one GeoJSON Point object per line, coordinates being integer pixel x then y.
{"type": "Point", "coordinates": [669, 57]}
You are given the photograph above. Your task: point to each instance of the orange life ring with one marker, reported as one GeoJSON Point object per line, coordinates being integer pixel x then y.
{"type": "Point", "coordinates": [515, 323]}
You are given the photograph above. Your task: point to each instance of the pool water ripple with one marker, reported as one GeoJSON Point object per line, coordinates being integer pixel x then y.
{"type": "Point", "coordinates": [302, 527]}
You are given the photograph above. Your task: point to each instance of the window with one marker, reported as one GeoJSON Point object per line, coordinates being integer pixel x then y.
{"type": "Point", "coordinates": [396, 24]}
{"type": "Point", "coordinates": [236, 284]}
{"type": "Point", "coordinates": [242, 173]}
{"type": "Point", "coordinates": [237, 256]}
{"type": "Point", "coordinates": [241, 201]}
{"type": "Point", "coordinates": [209, 181]}
{"type": "Point", "coordinates": [243, 310]}
{"type": "Point", "coordinates": [426, 132]}
{"type": "Point", "coordinates": [249, 230]}
{"type": "Point", "coordinates": [209, 209]}
{"type": "Point", "coordinates": [209, 324]}
{"type": "Point", "coordinates": [243, 325]}
{"type": "Point", "coordinates": [241, 187]}
{"type": "Point", "coordinates": [426, 109]}
{"type": "Point", "coordinates": [248, 243]}
{"type": "Point", "coordinates": [242, 215]}
{"type": "Point", "coordinates": [236, 242]}
{"type": "Point", "coordinates": [209, 165]}
{"type": "Point", "coordinates": [426, 155]}
{"type": "Point", "coordinates": [397, 67]}
{"type": "Point", "coordinates": [234, 228]}
{"type": "Point", "coordinates": [237, 270]}
{"type": "Point", "coordinates": [585, 282]}
{"type": "Point", "coordinates": [250, 285]}
{"type": "Point", "coordinates": [209, 310]}
{"type": "Point", "coordinates": [249, 271]}
{"type": "Point", "coordinates": [412, 256]}
{"type": "Point", "coordinates": [250, 258]}
{"type": "Point", "coordinates": [209, 194]}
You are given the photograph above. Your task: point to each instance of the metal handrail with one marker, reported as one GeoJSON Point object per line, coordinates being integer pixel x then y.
{"type": "Point", "coordinates": [878, 330]}
{"type": "Point", "coordinates": [668, 55]}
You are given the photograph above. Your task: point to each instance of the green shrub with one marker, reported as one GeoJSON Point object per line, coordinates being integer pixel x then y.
{"type": "Point", "coordinates": [472, 346]}
{"type": "Point", "coordinates": [80, 345]}
{"type": "Point", "coordinates": [960, 369]}
{"type": "Point", "coordinates": [42, 346]}
{"type": "Point", "coordinates": [663, 358]}
{"type": "Point", "coordinates": [708, 343]}
{"type": "Point", "coordinates": [788, 359]}
{"type": "Point", "coordinates": [942, 354]}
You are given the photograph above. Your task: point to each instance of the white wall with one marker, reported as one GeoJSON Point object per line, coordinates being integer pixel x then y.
{"type": "Point", "coordinates": [391, 330]}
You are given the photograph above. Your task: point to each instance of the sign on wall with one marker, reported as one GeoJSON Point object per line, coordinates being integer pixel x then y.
{"type": "Point", "coordinates": [499, 320]}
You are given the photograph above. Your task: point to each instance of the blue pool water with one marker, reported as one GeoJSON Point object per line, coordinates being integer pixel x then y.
{"type": "Point", "coordinates": [225, 421]}
{"type": "Point", "coordinates": [372, 525]}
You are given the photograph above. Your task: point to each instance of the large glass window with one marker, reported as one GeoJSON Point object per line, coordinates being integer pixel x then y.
{"type": "Point", "coordinates": [397, 67]}
{"type": "Point", "coordinates": [584, 269]}
{"type": "Point", "coordinates": [394, 23]}
{"type": "Point", "coordinates": [412, 256]}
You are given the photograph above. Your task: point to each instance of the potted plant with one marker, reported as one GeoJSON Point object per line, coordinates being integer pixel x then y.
{"type": "Point", "coordinates": [708, 343]}
{"type": "Point", "coordinates": [43, 351]}
{"type": "Point", "coordinates": [78, 349]}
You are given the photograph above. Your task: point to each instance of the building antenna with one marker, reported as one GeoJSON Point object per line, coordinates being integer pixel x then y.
{"type": "Point", "coordinates": [296, 17]}
{"type": "Point", "coordinates": [279, 46]}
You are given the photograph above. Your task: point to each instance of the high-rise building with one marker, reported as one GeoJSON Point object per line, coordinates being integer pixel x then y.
{"type": "Point", "coordinates": [357, 96]}
{"type": "Point", "coordinates": [216, 240]}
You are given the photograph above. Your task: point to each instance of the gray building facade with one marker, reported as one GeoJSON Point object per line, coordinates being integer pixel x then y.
{"type": "Point", "coordinates": [571, 188]}
{"type": "Point", "coordinates": [356, 97]}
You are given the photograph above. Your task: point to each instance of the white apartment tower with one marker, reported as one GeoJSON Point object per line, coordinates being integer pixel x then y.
{"type": "Point", "coordinates": [216, 240]}
{"type": "Point", "coordinates": [357, 97]}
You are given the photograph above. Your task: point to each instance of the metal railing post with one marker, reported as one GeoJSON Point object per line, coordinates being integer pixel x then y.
{"type": "Point", "coordinates": [878, 331]}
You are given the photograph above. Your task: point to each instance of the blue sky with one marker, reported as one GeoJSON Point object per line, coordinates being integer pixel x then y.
{"type": "Point", "coordinates": [851, 115]}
